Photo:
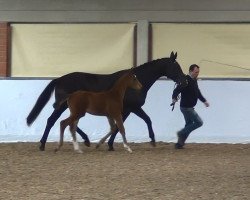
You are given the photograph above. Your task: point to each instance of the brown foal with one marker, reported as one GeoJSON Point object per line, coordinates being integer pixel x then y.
{"type": "Point", "coordinates": [107, 103]}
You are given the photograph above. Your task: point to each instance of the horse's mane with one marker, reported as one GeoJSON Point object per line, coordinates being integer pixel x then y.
{"type": "Point", "coordinates": [144, 65]}
{"type": "Point", "coordinates": [153, 62]}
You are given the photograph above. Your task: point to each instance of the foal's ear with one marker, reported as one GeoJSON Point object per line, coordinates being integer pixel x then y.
{"type": "Point", "coordinates": [173, 56]}
{"type": "Point", "coordinates": [131, 70]}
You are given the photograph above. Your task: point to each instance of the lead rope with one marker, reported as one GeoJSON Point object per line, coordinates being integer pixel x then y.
{"type": "Point", "coordinates": [173, 103]}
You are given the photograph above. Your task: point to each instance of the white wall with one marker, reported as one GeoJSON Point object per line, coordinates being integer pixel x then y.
{"type": "Point", "coordinates": [225, 121]}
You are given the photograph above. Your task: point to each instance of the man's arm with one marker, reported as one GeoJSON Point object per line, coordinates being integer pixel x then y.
{"type": "Point", "coordinates": [202, 98]}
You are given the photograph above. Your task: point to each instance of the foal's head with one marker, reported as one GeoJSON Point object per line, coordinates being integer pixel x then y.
{"type": "Point", "coordinates": [132, 81]}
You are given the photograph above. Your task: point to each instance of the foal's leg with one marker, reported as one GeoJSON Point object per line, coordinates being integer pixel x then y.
{"type": "Point", "coordinates": [73, 127]}
{"type": "Point", "coordinates": [112, 137]}
{"type": "Point", "coordinates": [121, 128]}
{"type": "Point", "coordinates": [63, 124]}
{"type": "Point", "coordinates": [113, 128]}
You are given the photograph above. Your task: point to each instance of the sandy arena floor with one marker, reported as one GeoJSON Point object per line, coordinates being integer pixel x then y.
{"type": "Point", "coordinates": [201, 171]}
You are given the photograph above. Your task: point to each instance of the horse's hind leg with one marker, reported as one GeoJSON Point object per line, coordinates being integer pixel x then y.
{"type": "Point", "coordinates": [50, 123]}
{"type": "Point", "coordinates": [121, 128]}
{"type": "Point", "coordinates": [73, 127]}
{"type": "Point", "coordinates": [113, 128]}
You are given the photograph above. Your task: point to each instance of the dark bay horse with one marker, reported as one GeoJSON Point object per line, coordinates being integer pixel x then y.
{"type": "Point", "coordinates": [108, 103]}
{"type": "Point", "coordinates": [147, 74]}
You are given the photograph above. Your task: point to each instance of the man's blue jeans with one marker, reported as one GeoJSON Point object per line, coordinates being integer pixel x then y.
{"type": "Point", "coordinates": [192, 119]}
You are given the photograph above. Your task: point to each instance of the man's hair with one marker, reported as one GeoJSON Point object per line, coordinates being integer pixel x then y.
{"type": "Point", "coordinates": [191, 68]}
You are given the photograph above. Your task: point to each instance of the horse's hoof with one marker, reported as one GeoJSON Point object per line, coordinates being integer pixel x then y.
{"type": "Point", "coordinates": [42, 148]}
{"type": "Point", "coordinates": [56, 150]}
{"type": "Point", "coordinates": [129, 150]}
{"type": "Point", "coordinates": [153, 143]}
{"type": "Point", "coordinates": [87, 143]}
{"type": "Point", "coordinates": [79, 151]}
{"type": "Point", "coordinates": [111, 148]}
{"type": "Point", "coordinates": [97, 146]}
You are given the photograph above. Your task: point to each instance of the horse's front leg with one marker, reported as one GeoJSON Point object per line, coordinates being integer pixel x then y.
{"type": "Point", "coordinates": [121, 128]}
{"type": "Point", "coordinates": [140, 113]}
{"type": "Point", "coordinates": [73, 128]}
{"type": "Point", "coordinates": [84, 136]}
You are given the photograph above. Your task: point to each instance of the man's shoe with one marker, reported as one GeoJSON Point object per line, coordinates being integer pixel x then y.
{"type": "Point", "coordinates": [181, 139]}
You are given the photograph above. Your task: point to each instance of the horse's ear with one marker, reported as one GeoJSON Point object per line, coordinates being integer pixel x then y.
{"type": "Point", "coordinates": [173, 56]}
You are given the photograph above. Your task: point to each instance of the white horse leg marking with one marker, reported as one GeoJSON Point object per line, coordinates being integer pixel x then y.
{"type": "Point", "coordinates": [103, 140]}
{"type": "Point", "coordinates": [121, 128]}
{"type": "Point", "coordinates": [76, 147]}
{"type": "Point", "coordinates": [73, 133]}
{"type": "Point", "coordinates": [127, 148]}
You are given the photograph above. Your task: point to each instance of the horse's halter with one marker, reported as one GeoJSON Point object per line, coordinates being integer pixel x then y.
{"type": "Point", "coordinates": [181, 81]}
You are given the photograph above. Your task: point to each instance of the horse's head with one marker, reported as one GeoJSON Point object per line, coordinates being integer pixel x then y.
{"type": "Point", "coordinates": [175, 72]}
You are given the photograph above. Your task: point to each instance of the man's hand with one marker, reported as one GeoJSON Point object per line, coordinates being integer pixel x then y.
{"type": "Point", "coordinates": [174, 101]}
{"type": "Point", "coordinates": [206, 104]}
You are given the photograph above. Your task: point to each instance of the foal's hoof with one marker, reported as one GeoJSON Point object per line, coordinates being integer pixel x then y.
{"type": "Point", "coordinates": [129, 150]}
{"type": "Point", "coordinates": [97, 146]}
{"type": "Point", "coordinates": [79, 151]}
{"type": "Point", "coordinates": [153, 143]}
{"type": "Point", "coordinates": [87, 143]}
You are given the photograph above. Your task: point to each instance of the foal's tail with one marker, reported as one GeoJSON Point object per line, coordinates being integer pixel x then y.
{"type": "Point", "coordinates": [41, 102]}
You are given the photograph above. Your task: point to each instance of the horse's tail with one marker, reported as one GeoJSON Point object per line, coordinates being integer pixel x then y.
{"type": "Point", "coordinates": [41, 102]}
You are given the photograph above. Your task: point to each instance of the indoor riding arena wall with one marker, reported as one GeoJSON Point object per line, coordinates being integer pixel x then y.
{"type": "Point", "coordinates": [225, 121]}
